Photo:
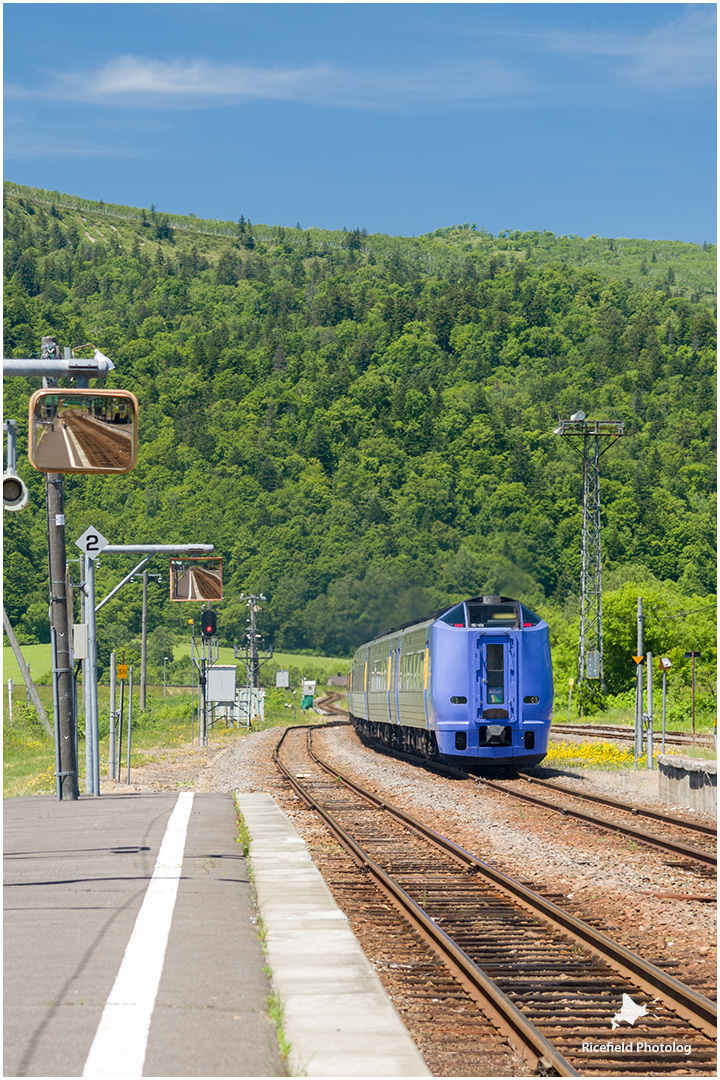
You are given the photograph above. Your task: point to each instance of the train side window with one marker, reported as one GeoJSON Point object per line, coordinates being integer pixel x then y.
{"type": "Point", "coordinates": [455, 616]}
{"type": "Point", "coordinates": [529, 618]}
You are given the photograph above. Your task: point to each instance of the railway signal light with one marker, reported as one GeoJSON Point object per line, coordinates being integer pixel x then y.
{"type": "Point", "coordinates": [209, 624]}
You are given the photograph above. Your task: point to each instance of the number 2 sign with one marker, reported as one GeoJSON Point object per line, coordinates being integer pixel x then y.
{"type": "Point", "coordinates": [92, 542]}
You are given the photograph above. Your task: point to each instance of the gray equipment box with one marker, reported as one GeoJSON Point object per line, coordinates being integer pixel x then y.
{"type": "Point", "coordinates": [221, 682]}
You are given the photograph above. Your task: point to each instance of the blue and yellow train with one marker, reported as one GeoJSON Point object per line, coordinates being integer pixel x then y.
{"type": "Point", "coordinates": [471, 685]}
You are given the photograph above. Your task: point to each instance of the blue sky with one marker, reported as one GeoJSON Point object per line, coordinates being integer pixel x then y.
{"type": "Point", "coordinates": [398, 118]}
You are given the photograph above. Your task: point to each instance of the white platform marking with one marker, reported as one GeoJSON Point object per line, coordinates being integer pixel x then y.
{"type": "Point", "coordinates": [120, 1041]}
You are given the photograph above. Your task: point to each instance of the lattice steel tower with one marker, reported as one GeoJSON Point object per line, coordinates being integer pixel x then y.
{"type": "Point", "coordinates": [590, 649]}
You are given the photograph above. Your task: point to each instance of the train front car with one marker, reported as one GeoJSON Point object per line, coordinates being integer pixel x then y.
{"type": "Point", "coordinates": [472, 684]}
{"type": "Point", "coordinates": [492, 685]}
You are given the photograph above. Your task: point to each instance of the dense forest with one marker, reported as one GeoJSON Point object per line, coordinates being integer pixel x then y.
{"type": "Point", "coordinates": [363, 425]}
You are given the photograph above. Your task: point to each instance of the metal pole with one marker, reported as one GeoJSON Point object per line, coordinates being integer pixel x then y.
{"type": "Point", "coordinates": [93, 720]}
{"type": "Point", "coordinates": [10, 694]}
{"type": "Point", "coordinates": [165, 659]}
{"type": "Point", "coordinates": [693, 698]}
{"type": "Point", "coordinates": [664, 708]}
{"type": "Point", "coordinates": [120, 724]}
{"type": "Point", "coordinates": [129, 730]}
{"type": "Point", "coordinates": [143, 650]}
{"type": "Point", "coordinates": [202, 724]}
{"type": "Point", "coordinates": [650, 711]}
{"type": "Point", "coordinates": [192, 684]}
{"type": "Point", "coordinates": [113, 698]}
{"type": "Point", "coordinates": [129, 577]}
{"type": "Point", "coordinates": [638, 684]}
{"type": "Point", "coordinates": [87, 681]}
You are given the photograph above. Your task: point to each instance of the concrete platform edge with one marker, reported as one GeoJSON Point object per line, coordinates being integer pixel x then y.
{"type": "Point", "coordinates": [337, 1015]}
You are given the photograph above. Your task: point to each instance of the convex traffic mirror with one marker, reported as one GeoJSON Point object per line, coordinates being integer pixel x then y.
{"type": "Point", "coordinates": [196, 579]}
{"type": "Point", "coordinates": [83, 431]}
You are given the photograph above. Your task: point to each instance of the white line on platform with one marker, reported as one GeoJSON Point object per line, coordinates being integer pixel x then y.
{"type": "Point", "coordinates": [120, 1041]}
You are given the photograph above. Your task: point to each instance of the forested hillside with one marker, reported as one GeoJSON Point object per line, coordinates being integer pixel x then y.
{"type": "Point", "coordinates": [363, 425]}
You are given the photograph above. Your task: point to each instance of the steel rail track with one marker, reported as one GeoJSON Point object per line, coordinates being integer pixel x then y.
{"type": "Point", "coordinates": [619, 731]}
{"type": "Point", "coordinates": [622, 959]}
{"type": "Point", "coordinates": [685, 851]}
{"type": "Point", "coordinates": [706, 858]}
{"type": "Point", "coordinates": [520, 1032]}
{"type": "Point", "coordinates": [682, 1000]}
{"type": "Point", "coordinates": [630, 808]}
{"type": "Point", "coordinates": [656, 815]}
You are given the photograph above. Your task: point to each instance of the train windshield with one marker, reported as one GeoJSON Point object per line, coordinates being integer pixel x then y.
{"type": "Point", "coordinates": [493, 615]}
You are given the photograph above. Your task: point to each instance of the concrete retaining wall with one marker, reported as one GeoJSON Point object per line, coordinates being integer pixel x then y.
{"type": "Point", "coordinates": [688, 782]}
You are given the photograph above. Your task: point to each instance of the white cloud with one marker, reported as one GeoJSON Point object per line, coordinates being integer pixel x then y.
{"type": "Point", "coordinates": [683, 53]}
{"type": "Point", "coordinates": [145, 82]}
{"type": "Point", "coordinates": [680, 54]}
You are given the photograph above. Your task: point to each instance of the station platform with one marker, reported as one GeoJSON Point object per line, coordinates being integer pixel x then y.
{"type": "Point", "coordinates": [132, 947]}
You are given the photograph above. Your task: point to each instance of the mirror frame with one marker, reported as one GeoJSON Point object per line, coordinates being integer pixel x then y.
{"type": "Point", "coordinates": [124, 395]}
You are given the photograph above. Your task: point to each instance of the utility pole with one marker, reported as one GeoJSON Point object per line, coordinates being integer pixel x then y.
{"type": "Point", "coordinates": [59, 615]}
{"type": "Point", "coordinates": [253, 638]}
{"type": "Point", "coordinates": [50, 367]}
{"type": "Point", "coordinates": [590, 648]}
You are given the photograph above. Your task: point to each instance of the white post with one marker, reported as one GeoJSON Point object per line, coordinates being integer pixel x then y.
{"type": "Point", "coordinates": [113, 696]}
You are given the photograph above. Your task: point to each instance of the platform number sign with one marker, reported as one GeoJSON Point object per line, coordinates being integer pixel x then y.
{"type": "Point", "coordinates": [92, 543]}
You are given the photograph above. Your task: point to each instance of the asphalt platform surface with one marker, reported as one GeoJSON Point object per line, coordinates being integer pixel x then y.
{"type": "Point", "coordinates": [131, 946]}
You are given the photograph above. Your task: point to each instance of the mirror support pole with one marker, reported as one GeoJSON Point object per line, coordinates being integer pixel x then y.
{"type": "Point", "coordinates": [59, 621]}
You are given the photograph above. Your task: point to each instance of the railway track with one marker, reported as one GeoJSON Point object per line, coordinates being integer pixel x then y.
{"type": "Point", "coordinates": [551, 984]}
{"type": "Point", "coordinates": [702, 852]}
{"type": "Point", "coordinates": [620, 732]}
{"type": "Point", "coordinates": [700, 856]}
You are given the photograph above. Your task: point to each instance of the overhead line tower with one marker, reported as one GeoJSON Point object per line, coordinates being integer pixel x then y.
{"type": "Point", "coordinates": [592, 433]}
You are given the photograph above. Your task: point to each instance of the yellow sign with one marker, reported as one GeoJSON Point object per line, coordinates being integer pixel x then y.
{"type": "Point", "coordinates": [638, 659]}
{"type": "Point", "coordinates": [122, 671]}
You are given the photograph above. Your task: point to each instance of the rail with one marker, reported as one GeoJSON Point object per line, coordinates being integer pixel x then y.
{"type": "Point", "coordinates": [682, 1000]}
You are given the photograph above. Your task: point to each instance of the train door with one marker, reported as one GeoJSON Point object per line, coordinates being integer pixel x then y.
{"type": "Point", "coordinates": [496, 678]}
{"type": "Point", "coordinates": [391, 667]}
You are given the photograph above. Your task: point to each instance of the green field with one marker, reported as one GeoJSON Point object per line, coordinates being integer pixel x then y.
{"type": "Point", "coordinates": [38, 657]}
